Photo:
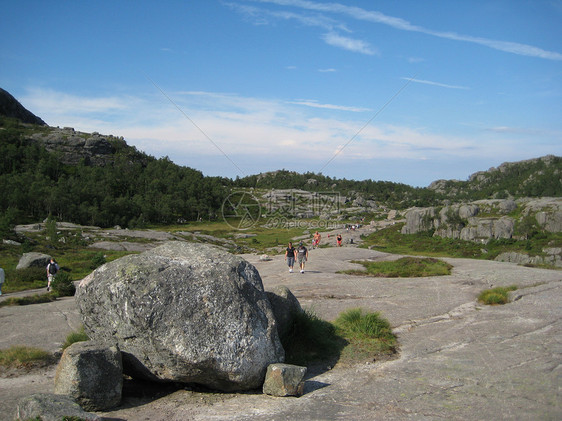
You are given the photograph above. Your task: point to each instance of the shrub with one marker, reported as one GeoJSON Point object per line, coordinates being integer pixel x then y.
{"type": "Point", "coordinates": [28, 275]}
{"type": "Point", "coordinates": [51, 230]}
{"type": "Point", "coordinates": [98, 260]}
{"type": "Point", "coordinates": [78, 336]}
{"type": "Point", "coordinates": [494, 296]}
{"type": "Point", "coordinates": [63, 285]}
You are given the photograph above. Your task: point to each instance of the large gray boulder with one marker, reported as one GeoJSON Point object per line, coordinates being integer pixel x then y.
{"type": "Point", "coordinates": [34, 260]}
{"type": "Point", "coordinates": [92, 374]}
{"type": "Point", "coordinates": [184, 312]}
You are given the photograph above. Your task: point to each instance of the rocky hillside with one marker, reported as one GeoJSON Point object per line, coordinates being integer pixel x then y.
{"type": "Point", "coordinates": [505, 220]}
{"type": "Point", "coordinates": [531, 178]}
{"type": "Point", "coordinates": [92, 179]}
{"type": "Point", "coordinates": [73, 147]}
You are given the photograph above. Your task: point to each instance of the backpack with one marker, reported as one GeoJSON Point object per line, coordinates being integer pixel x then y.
{"type": "Point", "coordinates": [53, 268]}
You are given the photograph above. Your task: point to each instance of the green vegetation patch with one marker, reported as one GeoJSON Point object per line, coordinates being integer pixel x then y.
{"type": "Point", "coordinates": [22, 356]}
{"type": "Point", "coordinates": [30, 299]}
{"type": "Point", "coordinates": [495, 296]}
{"type": "Point", "coordinates": [391, 240]}
{"type": "Point", "coordinates": [355, 336]}
{"type": "Point", "coordinates": [24, 279]}
{"type": "Point", "coordinates": [405, 267]}
{"type": "Point", "coordinates": [311, 339]}
{"type": "Point", "coordinates": [368, 335]}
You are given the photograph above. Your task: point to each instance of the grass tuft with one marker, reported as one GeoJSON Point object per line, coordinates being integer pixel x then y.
{"type": "Point", "coordinates": [368, 334]}
{"type": "Point", "coordinates": [73, 337]}
{"type": "Point", "coordinates": [495, 296]}
{"type": "Point", "coordinates": [21, 356]}
{"type": "Point", "coordinates": [355, 336]}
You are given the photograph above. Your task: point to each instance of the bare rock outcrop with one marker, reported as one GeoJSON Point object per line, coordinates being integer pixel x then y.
{"type": "Point", "coordinates": [184, 312]}
{"type": "Point", "coordinates": [74, 147]}
{"type": "Point", "coordinates": [483, 220]}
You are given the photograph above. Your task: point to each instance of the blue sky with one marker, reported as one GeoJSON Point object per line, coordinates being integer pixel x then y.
{"type": "Point", "coordinates": [405, 91]}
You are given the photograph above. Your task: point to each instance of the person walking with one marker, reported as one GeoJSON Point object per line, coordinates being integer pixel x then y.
{"type": "Point", "coordinates": [2, 278]}
{"type": "Point", "coordinates": [290, 255]}
{"type": "Point", "coordinates": [302, 256]}
{"type": "Point", "coordinates": [338, 240]}
{"type": "Point", "coordinates": [52, 270]}
{"type": "Point", "coordinates": [316, 240]}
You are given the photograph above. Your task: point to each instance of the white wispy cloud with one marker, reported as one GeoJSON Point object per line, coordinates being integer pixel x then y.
{"type": "Point", "coordinates": [429, 82]}
{"type": "Point", "coordinates": [260, 16]}
{"type": "Point", "coordinates": [510, 130]}
{"type": "Point", "coordinates": [316, 104]}
{"type": "Point", "coordinates": [355, 45]}
{"type": "Point", "coordinates": [256, 129]}
{"type": "Point", "coordinates": [403, 25]}
{"type": "Point", "coordinates": [63, 103]}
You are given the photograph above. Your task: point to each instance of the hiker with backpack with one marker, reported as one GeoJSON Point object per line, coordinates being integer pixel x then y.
{"type": "Point", "coordinates": [302, 256]}
{"type": "Point", "coordinates": [52, 270]}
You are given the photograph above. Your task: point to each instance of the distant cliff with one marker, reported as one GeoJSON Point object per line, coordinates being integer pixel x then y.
{"type": "Point", "coordinates": [10, 107]}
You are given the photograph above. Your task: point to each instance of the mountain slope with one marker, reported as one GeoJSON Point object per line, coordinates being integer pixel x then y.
{"type": "Point", "coordinates": [10, 107]}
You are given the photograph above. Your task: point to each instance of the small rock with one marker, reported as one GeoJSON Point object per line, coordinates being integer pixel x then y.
{"type": "Point", "coordinates": [284, 380]}
{"type": "Point", "coordinates": [51, 407]}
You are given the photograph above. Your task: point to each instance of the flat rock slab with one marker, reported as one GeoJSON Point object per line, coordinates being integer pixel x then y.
{"type": "Point", "coordinates": [458, 360]}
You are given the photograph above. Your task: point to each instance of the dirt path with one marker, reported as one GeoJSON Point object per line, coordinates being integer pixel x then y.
{"type": "Point", "coordinates": [458, 360]}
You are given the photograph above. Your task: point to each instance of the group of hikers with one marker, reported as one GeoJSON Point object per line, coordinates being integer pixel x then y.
{"type": "Point", "coordinates": [300, 254]}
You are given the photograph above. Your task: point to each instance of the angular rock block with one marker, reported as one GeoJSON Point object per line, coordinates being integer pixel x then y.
{"type": "Point", "coordinates": [92, 374]}
{"type": "Point", "coordinates": [284, 380]}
